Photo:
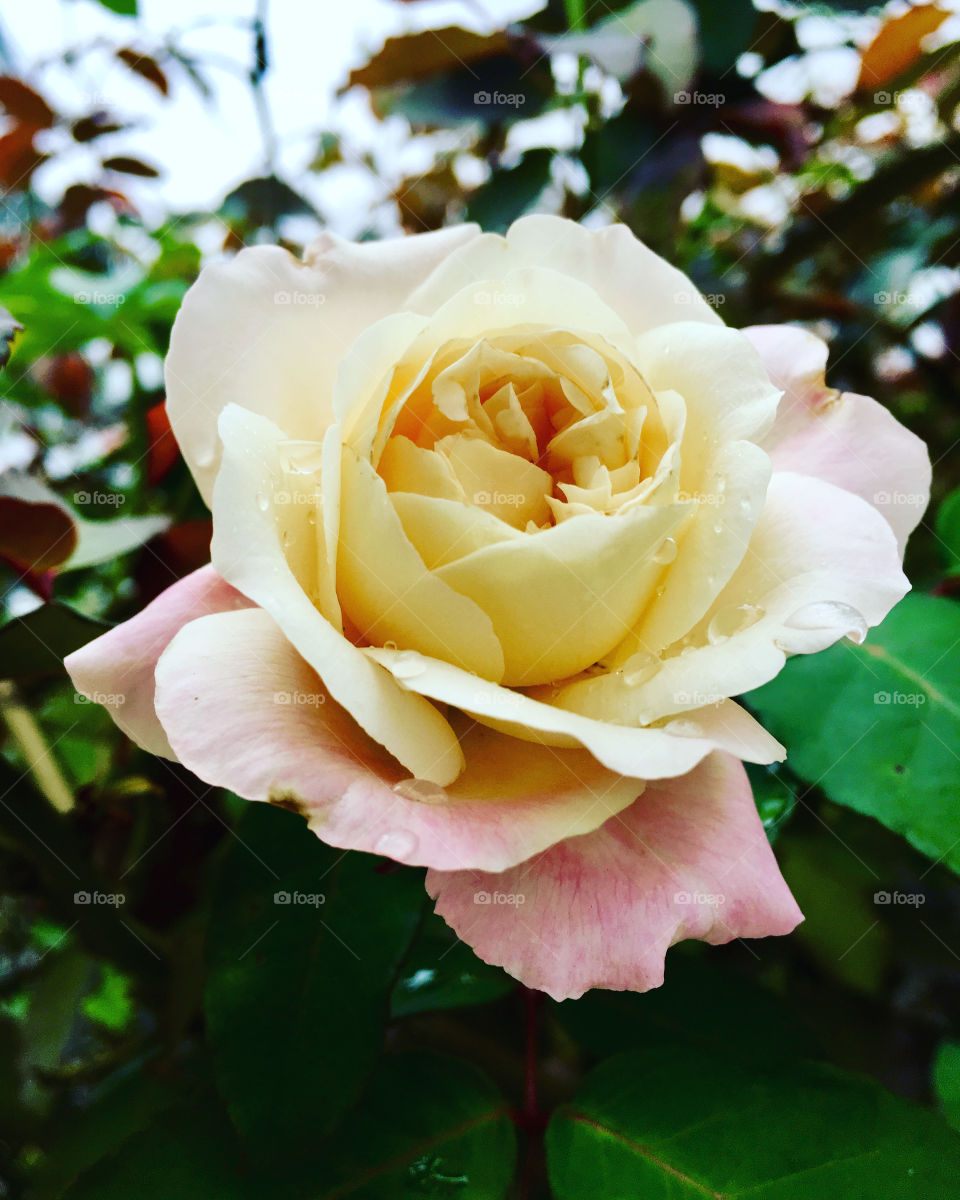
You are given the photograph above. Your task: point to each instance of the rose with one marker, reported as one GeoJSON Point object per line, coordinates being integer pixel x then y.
{"type": "Point", "coordinates": [688, 505]}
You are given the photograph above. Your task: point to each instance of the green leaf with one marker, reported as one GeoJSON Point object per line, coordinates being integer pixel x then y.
{"type": "Point", "coordinates": [305, 943]}
{"type": "Point", "coordinates": [37, 643]}
{"type": "Point", "coordinates": [946, 1080]}
{"type": "Point", "coordinates": [948, 531]}
{"type": "Point", "coordinates": [725, 32]}
{"type": "Point", "coordinates": [428, 1126]}
{"type": "Point", "coordinates": [509, 194]}
{"type": "Point", "coordinates": [189, 1153]}
{"type": "Point", "coordinates": [740, 1014]}
{"type": "Point", "coordinates": [876, 725]}
{"type": "Point", "coordinates": [123, 8]}
{"type": "Point", "coordinates": [441, 972]}
{"type": "Point", "coordinates": [673, 1123]}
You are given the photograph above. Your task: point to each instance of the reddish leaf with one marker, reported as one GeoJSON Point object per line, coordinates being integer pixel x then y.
{"type": "Point", "coordinates": [35, 537]}
{"type": "Point", "coordinates": [19, 158]}
{"type": "Point", "coordinates": [130, 166]}
{"type": "Point", "coordinates": [897, 45]}
{"type": "Point", "coordinates": [69, 379]}
{"type": "Point", "coordinates": [24, 104]}
{"type": "Point", "coordinates": [79, 197]}
{"type": "Point", "coordinates": [94, 126]}
{"type": "Point", "coordinates": [419, 55]}
{"type": "Point", "coordinates": [146, 67]}
{"type": "Point", "coordinates": [163, 451]}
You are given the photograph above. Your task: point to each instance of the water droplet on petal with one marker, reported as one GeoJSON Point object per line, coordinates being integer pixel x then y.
{"type": "Point", "coordinates": [286, 539]}
{"type": "Point", "coordinates": [683, 728]}
{"type": "Point", "coordinates": [666, 552]}
{"type": "Point", "coordinates": [398, 844]}
{"type": "Point", "coordinates": [830, 614]}
{"type": "Point", "coordinates": [389, 645]}
{"type": "Point", "coordinates": [263, 501]}
{"type": "Point", "coordinates": [639, 668]}
{"type": "Point", "coordinates": [718, 528]}
{"type": "Point", "coordinates": [720, 486]}
{"type": "Point", "coordinates": [732, 620]}
{"type": "Point", "coordinates": [421, 790]}
{"type": "Point", "coordinates": [408, 665]}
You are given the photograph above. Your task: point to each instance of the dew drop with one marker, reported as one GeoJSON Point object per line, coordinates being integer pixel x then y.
{"type": "Point", "coordinates": [311, 518]}
{"type": "Point", "coordinates": [732, 620]}
{"type": "Point", "coordinates": [744, 506]}
{"type": "Point", "coordinates": [666, 552]}
{"type": "Point", "coordinates": [421, 790]}
{"type": "Point", "coordinates": [408, 665]}
{"type": "Point", "coordinates": [389, 645]}
{"type": "Point", "coordinates": [263, 501]}
{"type": "Point", "coordinates": [639, 668]}
{"type": "Point", "coordinates": [830, 614]}
{"type": "Point", "coordinates": [683, 728]}
{"type": "Point", "coordinates": [721, 486]}
{"type": "Point", "coordinates": [397, 844]}
{"type": "Point", "coordinates": [718, 528]}
{"type": "Point", "coordinates": [287, 539]}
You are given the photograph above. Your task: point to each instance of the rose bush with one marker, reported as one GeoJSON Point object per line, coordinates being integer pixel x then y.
{"type": "Point", "coordinates": [500, 526]}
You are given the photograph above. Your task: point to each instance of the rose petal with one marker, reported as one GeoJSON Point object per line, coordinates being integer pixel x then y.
{"type": "Point", "coordinates": [641, 287]}
{"type": "Point", "coordinates": [119, 665]}
{"type": "Point", "coordinates": [846, 439]}
{"type": "Point", "coordinates": [652, 753]}
{"type": "Point", "coordinates": [244, 710]}
{"type": "Point", "coordinates": [268, 332]}
{"type": "Point", "coordinates": [247, 550]}
{"type": "Point", "coordinates": [688, 859]}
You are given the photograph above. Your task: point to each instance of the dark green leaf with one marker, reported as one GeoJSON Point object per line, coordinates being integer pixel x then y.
{"type": "Point", "coordinates": [298, 987]}
{"type": "Point", "coordinates": [671, 1122]}
{"type": "Point", "coordinates": [948, 531]}
{"type": "Point", "coordinates": [37, 643]}
{"type": "Point", "coordinates": [876, 725]}
{"type": "Point", "coordinates": [509, 194]}
{"type": "Point", "coordinates": [428, 1126]}
{"type": "Point", "coordinates": [725, 33]}
{"type": "Point", "coordinates": [124, 8]}
{"type": "Point", "coordinates": [946, 1080]}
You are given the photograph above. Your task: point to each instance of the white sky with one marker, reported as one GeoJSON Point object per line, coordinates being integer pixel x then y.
{"type": "Point", "coordinates": [206, 149]}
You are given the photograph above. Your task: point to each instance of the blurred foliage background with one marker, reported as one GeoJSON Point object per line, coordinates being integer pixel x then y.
{"type": "Point", "coordinates": [164, 1028]}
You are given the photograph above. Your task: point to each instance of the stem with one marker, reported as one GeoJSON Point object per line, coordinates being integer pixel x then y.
{"type": "Point", "coordinates": [28, 736]}
{"type": "Point", "coordinates": [576, 14]}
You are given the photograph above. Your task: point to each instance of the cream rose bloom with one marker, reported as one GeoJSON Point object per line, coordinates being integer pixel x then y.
{"type": "Point", "coordinates": [500, 526]}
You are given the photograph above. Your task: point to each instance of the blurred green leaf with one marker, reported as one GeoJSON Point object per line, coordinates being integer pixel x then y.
{"type": "Point", "coordinates": [37, 643]}
{"type": "Point", "coordinates": [946, 1080]}
{"type": "Point", "coordinates": [875, 726]}
{"type": "Point", "coordinates": [725, 32]}
{"type": "Point", "coordinates": [509, 194]}
{"type": "Point", "coordinates": [298, 988]}
{"type": "Point", "coordinates": [948, 531]}
{"type": "Point", "coordinates": [111, 1004]}
{"type": "Point", "coordinates": [674, 1122]}
{"type": "Point", "coordinates": [125, 8]}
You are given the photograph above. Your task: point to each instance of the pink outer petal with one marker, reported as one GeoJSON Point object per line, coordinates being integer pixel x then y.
{"type": "Point", "coordinates": [243, 710]}
{"type": "Point", "coordinates": [846, 439]}
{"type": "Point", "coordinates": [117, 668]}
{"type": "Point", "coordinates": [688, 859]}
